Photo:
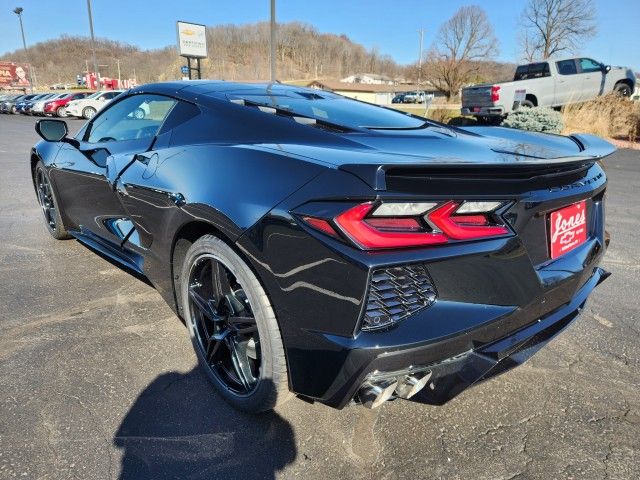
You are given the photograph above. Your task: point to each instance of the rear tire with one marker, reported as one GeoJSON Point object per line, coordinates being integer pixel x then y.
{"type": "Point", "coordinates": [88, 112]}
{"type": "Point", "coordinates": [49, 203]}
{"type": "Point", "coordinates": [216, 340]}
{"type": "Point", "coordinates": [623, 90]}
{"type": "Point", "coordinates": [527, 104]}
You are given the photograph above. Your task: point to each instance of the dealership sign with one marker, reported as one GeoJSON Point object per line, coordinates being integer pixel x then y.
{"type": "Point", "coordinates": [192, 40]}
{"type": "Point", "coordinates": [14, 75]}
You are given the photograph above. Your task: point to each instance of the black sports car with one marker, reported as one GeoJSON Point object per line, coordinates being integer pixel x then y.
{"type": "Point", "coordinates": [342, 251]}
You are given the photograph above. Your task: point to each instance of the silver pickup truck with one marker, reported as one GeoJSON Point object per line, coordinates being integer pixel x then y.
{"type": "Point", "coordinates": [552, 83]}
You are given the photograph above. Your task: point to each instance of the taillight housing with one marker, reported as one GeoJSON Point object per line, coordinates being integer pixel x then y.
{"type": "Point", "coordinates": [495, 93]}
{"type": "Point", "coordinates": [386, 225]}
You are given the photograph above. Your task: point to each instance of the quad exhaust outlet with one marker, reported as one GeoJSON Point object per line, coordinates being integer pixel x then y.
{"type": "Point", "coordinates": [375, 392]}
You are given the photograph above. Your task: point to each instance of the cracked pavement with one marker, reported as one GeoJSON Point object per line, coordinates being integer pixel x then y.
{"type": "Point", "coordinates": [98, 379]}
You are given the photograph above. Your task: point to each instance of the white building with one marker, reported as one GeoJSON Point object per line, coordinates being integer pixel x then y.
{"type": "Point", "coordinates": [368, 79]}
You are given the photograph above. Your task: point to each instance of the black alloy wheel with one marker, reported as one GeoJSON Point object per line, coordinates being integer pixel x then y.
{"type": "Point", "coordinates": [224, 325]}
{"type": "Point", "coordinates": [48, 204]}
{"type": "Point", "coordinates": [46, 199]}
{"type": "Point", "coordinates": [232, 326]}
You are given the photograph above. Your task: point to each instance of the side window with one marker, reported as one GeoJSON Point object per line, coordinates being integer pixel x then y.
{"type": "Point", "coordinates": [587, 65]}
{"type": "Point", "coordinates": [134, 117]}
{"type": "Point", "coordinates": [567, 67]}
{"type": "Point", "coordinates": [181, 113]}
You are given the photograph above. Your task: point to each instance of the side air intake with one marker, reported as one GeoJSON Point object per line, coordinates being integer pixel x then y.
{"type": "Point", "coordinates": [395, 293]}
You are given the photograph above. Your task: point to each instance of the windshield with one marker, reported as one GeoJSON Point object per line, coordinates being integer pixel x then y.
{"type": "Point", "coordinates": [336, 109]}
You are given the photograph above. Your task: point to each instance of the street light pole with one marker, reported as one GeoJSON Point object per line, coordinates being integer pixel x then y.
{"type": "Point", "coordinates": [273, 40]}
{"type": "Point", "coordinates": [18, 11]}
{"type": "Point", "coordinates": [93, 45]}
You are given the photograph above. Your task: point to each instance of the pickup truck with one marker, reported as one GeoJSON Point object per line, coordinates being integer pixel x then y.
{"type": "Point", "coordinates": [550, 83]}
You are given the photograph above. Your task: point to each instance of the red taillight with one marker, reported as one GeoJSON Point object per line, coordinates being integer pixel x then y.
{"type": "Point", "coordinates": [369, 237]}
{"type": "Point", "coordinates": [320, 224]}
{"type": "Point", "coordinates": [395, 225]}
{"type": "Point", "coordinates": [495, 93]}
{"type": "Point", "coordinates": [455, 227]}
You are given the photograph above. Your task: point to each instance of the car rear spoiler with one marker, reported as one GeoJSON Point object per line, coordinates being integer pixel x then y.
{"type": "Point", "coordinates": [591, 147]}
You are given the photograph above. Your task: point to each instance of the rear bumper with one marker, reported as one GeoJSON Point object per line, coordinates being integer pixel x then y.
{"type": "Point", "coordinates": [453, 375]}
{"type": "Point", "coordinates": [492, 111]}
{"type": "Point", "coordinates": [458, 361]}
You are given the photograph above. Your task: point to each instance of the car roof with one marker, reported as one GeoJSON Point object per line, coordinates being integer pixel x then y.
{"type": "Point", "coordinates": [193, 88]}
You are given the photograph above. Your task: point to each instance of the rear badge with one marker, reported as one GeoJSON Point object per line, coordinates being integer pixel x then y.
{"type": "Point", "coordinates": [568, 228]}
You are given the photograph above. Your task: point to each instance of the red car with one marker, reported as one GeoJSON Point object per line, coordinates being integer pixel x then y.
{"type": "Point", "coordinates": [58, 106]}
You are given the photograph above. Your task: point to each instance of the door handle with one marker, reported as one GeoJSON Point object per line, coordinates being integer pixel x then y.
{"type": "Point", "coordinates": [142, 159]}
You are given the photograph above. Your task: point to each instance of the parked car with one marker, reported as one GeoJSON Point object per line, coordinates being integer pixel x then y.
{"type": "Point", "coordinates": [58, 107]}
{"type": "Point", "coordinates": [88, 106]}
{"type": "Point", "coordinates": [22, 105]}
{"type": "Point", "coordinates": [414, 97]}
{"type": "Point", "coordinates": [550, 83]}
{"type": "Point", "coordinates": [6, 99]}
{"type": "Point", "coordinates": [9, 105]}
{"type": "Point", "coordinates": [399, 98]}
{"type": "Point", "coordinates": [332, 248]}
{"type": "Point", "coordinates": [38, 107]}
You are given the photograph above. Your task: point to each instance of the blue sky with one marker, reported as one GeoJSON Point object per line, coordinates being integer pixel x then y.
{"type": "Point", "coordinates": [389, 26]}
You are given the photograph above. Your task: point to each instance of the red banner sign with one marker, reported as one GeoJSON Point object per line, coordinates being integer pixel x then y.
{"type": "Point", "coordinates": [14, 75]}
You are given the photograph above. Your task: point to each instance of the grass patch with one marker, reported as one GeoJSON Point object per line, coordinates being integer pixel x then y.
{"type": "Point", "coordinates": [609, 116]}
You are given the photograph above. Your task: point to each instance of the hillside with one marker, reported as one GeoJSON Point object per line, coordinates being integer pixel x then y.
{"type": "Point", "coordinates": [236, 52]}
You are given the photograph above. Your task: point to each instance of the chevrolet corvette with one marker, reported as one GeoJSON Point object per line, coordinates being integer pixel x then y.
{"type": "Point", "coordinates": [324, 247]}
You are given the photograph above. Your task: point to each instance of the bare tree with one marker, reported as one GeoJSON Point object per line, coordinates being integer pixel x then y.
{"type": "Point", "coordinates": [555, 26]}
{"type": "Point", "coordinates": [462, 41]}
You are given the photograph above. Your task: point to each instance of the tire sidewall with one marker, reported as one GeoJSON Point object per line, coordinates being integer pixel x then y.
{"type": "Point", "coordinates": [259, 399]}
{"type": "Point", "coordinates": [623, 90]}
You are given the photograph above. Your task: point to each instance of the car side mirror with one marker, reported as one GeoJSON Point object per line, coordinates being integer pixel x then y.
{"type": "Point", "coordinates": [52, 130]}
{"type": "Point", "coordinates": [607, 68]}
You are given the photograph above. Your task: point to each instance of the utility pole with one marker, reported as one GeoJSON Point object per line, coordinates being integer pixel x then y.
{"type": "Point", "coordinates": [421, 32]}
{"type": "Point", "coordinates": [273, 41]}
{"type": "Point", "coordinates": [93, 45]}
{"type": "Point", "coordinates": [18, 11]}
{"type": "Point", "coordinates": [119, 79]}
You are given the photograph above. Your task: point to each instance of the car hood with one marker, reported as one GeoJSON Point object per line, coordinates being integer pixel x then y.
{"type": "Point", "coordinates": [441, 145]}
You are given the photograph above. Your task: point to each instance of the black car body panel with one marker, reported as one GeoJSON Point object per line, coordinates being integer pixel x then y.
{"type": "Point", "coordinates": [251, 174]}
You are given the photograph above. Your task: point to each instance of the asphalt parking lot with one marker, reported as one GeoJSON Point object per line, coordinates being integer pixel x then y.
{"type": "Point", "coordinates": [98, 379]}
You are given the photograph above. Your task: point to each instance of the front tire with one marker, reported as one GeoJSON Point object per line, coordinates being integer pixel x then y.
{"type": "Point", "coordinates": [233, 327]}
{"type": "Point", "coordinates": [49, 203]}
{"type": "Point", "coordinates": [61, 112]}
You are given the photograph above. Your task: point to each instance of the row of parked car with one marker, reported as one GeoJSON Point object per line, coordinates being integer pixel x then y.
{"type": "Point", "coordinates": [65, 104]}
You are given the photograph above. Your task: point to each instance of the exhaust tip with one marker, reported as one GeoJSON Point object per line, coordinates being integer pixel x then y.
{"type": "Point", "coordinates": [373, 396]}
{"type": "Point", "coordinates": [409, 385]}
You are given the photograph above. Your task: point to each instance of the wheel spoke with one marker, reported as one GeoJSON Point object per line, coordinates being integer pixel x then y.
{"type": "Point", "coordinates": [213, 345]}
{"type": "Point", "coordinates": [203, 305]}
{"type": "Point", "coordinates": [237, 320]}
{"type": "Point", "coordinates": [241, 363]}
{"type": "Point", "coordinates": [220, 281]}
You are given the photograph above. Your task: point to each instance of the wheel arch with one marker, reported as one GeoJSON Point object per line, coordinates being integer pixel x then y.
{"type": "Point", "coordinates": [532, 98]}
{"type": "Point", "coordinates": [186, 236]}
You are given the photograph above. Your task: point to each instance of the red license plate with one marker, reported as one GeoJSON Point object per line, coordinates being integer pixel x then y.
{"type": "Point", "coordinates": [568, 228]}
